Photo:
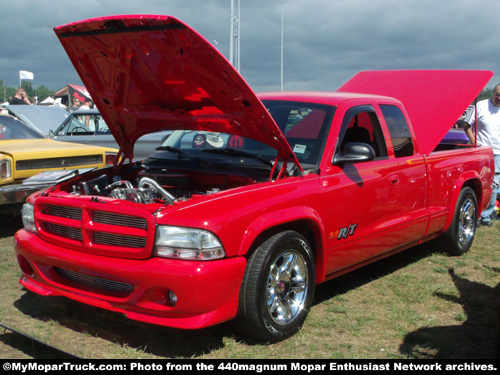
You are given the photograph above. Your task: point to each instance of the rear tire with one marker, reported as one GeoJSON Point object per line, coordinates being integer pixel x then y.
{"type": "Point", "coordinates": [277, 289]}
{"type": "Point", "coordinates": [458, 239]}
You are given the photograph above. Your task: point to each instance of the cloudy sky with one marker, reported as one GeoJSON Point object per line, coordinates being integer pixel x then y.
{"type": "Point", "coordinates": [325, 41]}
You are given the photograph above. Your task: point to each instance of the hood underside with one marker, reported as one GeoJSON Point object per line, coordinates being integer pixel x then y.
{"type": "Point", "coordinates": [152, 73]}
{"type": "Point", "coordinates": [433, 99]}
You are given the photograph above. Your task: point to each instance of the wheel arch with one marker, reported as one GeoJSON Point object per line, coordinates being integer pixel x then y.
{"type": "Point", "coordinates": [469, 180]}
{"type": "Point", "coordinates": [309, 226]}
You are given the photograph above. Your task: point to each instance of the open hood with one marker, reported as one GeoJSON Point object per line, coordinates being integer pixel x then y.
{"type": "Point", "coordinates": [433, 99]}
{"type": "Point", "coordinates": [42, 118]}
{"type": "Point", "coordinates": [150, 73]}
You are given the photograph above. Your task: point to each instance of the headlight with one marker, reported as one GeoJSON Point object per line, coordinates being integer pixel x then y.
{"type": "Point", "coordinates": [5, 169]}
{"type": "Point", "coordinates": [28, 214]}
{"type": "Point", "coordinates": [187, 244]}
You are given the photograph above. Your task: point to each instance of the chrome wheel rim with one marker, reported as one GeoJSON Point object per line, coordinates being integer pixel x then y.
{"type": "Point", "coordinates": [286, 288]}
{"type": "Point", "coordinates": [466, 222]}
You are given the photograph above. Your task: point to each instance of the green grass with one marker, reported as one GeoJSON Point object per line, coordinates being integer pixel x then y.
{"type": "Point", "coordinates": [417, 304]}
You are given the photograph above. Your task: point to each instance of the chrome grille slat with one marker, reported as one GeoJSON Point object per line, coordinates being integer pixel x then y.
{"type": "Point", "coordinates": [64, 231]}
{"type": "Point", "coordinates": [95, 282]}
{"type": "Point", "coordinates": [63, 211]}
{"type": "Point", "coordinates": [120, 220]}
{"type": "Point", "coordinates": [119, 240]}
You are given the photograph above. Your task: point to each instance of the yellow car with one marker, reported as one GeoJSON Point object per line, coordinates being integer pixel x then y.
{"type": "Point", "coordinates": [25, 153]}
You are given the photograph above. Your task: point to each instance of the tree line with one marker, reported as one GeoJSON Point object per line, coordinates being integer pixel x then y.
{"type": "Point", "coordinates": [41, 92]}
{"type": "Point", "coordinates": [485, 94]}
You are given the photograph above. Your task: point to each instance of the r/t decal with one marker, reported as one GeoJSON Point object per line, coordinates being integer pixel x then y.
{"type": "Point", "coordinates": [344, 232]}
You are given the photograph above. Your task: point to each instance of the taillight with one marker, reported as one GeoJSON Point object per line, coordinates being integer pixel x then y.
{"type": "Point", "coordinates": [110, 158]}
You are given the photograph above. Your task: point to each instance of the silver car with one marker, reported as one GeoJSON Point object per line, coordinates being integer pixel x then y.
{"type": "Point", "coordinates": [87, 126]}
{"type": "Point", "coordinates": [42, 118]}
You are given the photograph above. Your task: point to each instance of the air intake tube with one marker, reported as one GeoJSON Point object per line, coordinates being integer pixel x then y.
{"type": "Point", "coordinates": [145, 181]}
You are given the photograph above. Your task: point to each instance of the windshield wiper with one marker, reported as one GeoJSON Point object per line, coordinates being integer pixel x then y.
{"type": "Point", "coordinates": [231, 152]}
{"type": "Point", "coordinates": [177, 151]}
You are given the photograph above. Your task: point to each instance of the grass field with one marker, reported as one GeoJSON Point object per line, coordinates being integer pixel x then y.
{"type": "Point", "coordinates": [417, 304]}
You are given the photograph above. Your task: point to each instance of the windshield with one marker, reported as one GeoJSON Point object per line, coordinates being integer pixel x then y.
{"type": "Point", "coordinates": [83, 124]}
{"type": "Point", "coordinates": [11, 128]}
{"type": "Point", "coordinates": [303, 124]}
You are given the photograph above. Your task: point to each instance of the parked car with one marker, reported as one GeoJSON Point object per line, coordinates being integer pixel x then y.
{"type": "Point", "coordinates": [25, 153]}
{"type": "Point", "coordinates": [212, 228]}
{"type": "Point", "coordinates": [88, 126]}
{"type": "Point", "coordinates": [43, 119]}
{"type": "Point", "coordinates": [455, 137]}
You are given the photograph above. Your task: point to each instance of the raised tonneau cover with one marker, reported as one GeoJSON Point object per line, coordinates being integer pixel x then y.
{"type": "Point", "coordinates": [433, 99]}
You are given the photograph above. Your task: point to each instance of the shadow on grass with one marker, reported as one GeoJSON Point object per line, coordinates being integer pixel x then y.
{"type": "Point", "coordinates": [168, 342]}
{"type": "Point", "coordinates": [477, 338]}
{"type": "Point", "coordinates": [30, 347]}
{"type": "Point", "coordinates": [10, 225]}
{"type": "Point", "coordinates": [116, 328]}
{"type": "Point", "coordinates": [361, 276]}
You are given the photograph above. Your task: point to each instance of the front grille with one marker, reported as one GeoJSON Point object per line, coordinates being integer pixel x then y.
{"type": "Point", "coordinates": [96, 227]}
{"type": "Point", "coordinates": [95, 282]}
{"type": "Point", "coordinates": [61, 162]}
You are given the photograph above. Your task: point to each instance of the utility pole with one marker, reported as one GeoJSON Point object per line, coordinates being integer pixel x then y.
{"type": "Point", "coordinates": [231, 33]}
{"type": "Point", "coordinates": [238, 64]}
{"type": "Point", "coordinates": [282, 46]}
{"type": "Point", "coordinates": [234, 34]}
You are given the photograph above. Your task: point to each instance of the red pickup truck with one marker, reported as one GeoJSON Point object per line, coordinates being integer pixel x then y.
{"type": "Point", "coordinates": [253, 199]}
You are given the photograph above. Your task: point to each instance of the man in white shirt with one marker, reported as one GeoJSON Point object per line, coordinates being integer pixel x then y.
{"type": "Point", "coordinates": [86, 105]}
{"type": "Point", "coordinates": [488, 134]}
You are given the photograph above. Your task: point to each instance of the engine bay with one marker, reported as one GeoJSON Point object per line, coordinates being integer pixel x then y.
{"type": "Point", "coordinates": [153, 186]}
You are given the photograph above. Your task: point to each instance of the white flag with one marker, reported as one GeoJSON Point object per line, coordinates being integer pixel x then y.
{"type": "Point", "coordinates": [23, 74]}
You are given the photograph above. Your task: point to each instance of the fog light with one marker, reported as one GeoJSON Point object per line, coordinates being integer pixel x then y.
{"type": "Point", "coordinates": [172, 298]}
{"type": "Point", "coordinates": [25, 266]}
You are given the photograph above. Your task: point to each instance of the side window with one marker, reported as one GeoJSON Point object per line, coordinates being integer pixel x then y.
{"type": "Point", "coordinates": [361, 125]}
{"type": "Point", "coordinates": [100, 126]}
{"type": "Point", "coordinates": [399, 130]}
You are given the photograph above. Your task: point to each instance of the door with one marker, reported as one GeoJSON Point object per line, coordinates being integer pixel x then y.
{"type": "Point", "coordinates": [363, 200]}
{"type": "Point", "coordinates": [412, 175]}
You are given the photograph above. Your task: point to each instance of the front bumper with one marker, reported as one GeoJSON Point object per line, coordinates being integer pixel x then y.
{"type": "Point", "coordinates": [207, 292]}
{"type": "Point", "coordinates": [17, 193]}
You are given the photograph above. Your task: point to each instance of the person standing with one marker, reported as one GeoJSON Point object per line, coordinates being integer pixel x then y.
{"type": "Point", "coordinates": [76, 105]}
{"type": "Point", "coordinates": [20, 97]}
{"type": "Point", "coordinates": [86, 106]}
{"type": "Point", "coordinates": [488, 134]}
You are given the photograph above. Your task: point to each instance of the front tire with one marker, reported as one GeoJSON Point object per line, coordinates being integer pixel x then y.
{"type": "Point", "coordinates": [458, 239]}
{"type": "Point", "coordinates": [278, 288]}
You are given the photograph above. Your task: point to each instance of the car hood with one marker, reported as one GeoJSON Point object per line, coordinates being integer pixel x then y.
{"type": "Point", "coordinates": [22, 149]}
{"type": "Point", "coordinates": [433, 99]}
{"type": "Point", "coordinates": [41, 118]}
{"type": "Point", "coordinates": [151, 73]}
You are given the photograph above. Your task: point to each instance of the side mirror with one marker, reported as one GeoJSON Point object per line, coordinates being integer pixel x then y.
{"type": "Point", "coordinates": [354, 152]}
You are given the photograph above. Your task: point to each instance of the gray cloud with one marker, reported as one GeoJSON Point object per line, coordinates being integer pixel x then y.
{"type": "Point", "coordinates": [326, 42]}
